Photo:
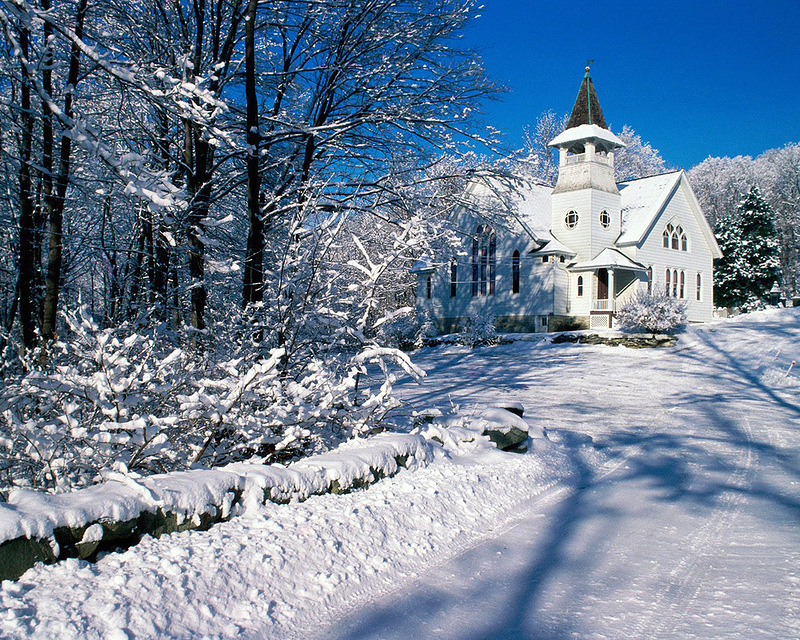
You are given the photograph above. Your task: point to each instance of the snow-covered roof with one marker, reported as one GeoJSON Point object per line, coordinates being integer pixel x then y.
{"type": "Point", "coordinates": [609, 259]}
{"type": "Point", "coordinates": [642, 201]}
{"type": "Point", "coordinates": [423, 265]}
{"type": "Point", "coordinates": [554, 247]}
{"type": "Point", "coordinates": [528, 203]}
{"type": "Point", "coordinates": [533, 209]}
{"type": "Point", "coordinates": [585, 132]}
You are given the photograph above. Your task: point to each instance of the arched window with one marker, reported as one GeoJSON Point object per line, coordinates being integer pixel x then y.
{"type": "Point", "coordinates": [675, 238]}
{"type": "Point", "coordinates": [699, 287]}
{"type": "Point", "coordinates": [683, 285]}
{"type": "Point", "coordinates": [453, 278]}
{"type": "Point", "coordinates": [649, 280]}
{"type": "Point", "coordinates": [580, 286]}
{"type": "Point", "coordinates": [674, 283]}
{"type": "Point", "coordinates": [515, 272]}
{"type": "Point", "coordinates": [668, 279]}
{"type": "Point", "coordinates": [484, 261]}
{"type": "Point", "coordinates": [428, 286]}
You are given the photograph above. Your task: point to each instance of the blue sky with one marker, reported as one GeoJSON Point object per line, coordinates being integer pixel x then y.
{"type": "Point", "coordinates": [695, 79]}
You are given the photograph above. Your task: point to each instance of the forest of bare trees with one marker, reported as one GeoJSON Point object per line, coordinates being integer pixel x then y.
{"type": "Point", "coordinates": [209, 208]}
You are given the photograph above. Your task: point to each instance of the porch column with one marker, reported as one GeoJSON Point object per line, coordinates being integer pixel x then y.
{"type": "Point", "coordinates": [612, 298]}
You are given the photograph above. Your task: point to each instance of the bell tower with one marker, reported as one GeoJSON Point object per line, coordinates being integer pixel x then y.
{"type": "Point", "coordinates": [586, 202]}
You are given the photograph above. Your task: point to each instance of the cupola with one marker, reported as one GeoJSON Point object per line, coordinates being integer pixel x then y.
{"type": "Point", "coordinates": [586, 147]}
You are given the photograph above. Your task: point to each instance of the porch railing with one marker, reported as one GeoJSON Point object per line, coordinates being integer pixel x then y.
{"type": "Point", "coordinates": [602, 305]}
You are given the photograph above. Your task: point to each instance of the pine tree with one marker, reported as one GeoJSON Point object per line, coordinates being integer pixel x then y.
{"type": "Point", "coordinates": [749, 263]}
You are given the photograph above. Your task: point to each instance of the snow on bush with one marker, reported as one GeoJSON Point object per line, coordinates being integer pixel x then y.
{"type": "Point", "coordinates": [479, 330]}
{"type": "Point", "coordinates": [399, 329]}
{"type": "Point", "coordinates": [118, 399]}
{"type": "Point", "coordinates": [653, 313]}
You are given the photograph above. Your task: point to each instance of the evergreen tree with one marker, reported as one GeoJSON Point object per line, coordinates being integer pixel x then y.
{"type": "Point", "coordinates": [749, 263]}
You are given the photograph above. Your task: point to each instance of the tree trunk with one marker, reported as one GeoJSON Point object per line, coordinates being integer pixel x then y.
{"type": "Point", "coordinates": [55, 203]}
{"type": "Point", "coordinates": [254, 258]}
{"type": "Point", "coordinates": [26, 208]}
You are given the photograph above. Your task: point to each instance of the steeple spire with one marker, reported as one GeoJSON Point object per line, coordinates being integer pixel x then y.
{"type": "Point", "coordinates": [587, 107]}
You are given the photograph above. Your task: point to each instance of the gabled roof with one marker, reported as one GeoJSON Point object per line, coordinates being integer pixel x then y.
{"type": "Point", "coordinates": [609, 258]}
{"type": "Point", "coordinates": [642, 201]}
{"type": "Point", "coordinates": [587, 107]}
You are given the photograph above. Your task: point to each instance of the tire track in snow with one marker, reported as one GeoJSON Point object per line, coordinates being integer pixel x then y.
{"type": "Point", "coordinates": [686, 580]}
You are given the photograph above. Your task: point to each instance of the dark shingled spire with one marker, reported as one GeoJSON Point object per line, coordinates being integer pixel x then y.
{"type": "Point", "coordinates": [587, 108]}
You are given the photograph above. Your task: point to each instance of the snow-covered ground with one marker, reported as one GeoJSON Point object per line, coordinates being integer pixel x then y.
{"type": "Point", "coordinates": [666, 506]}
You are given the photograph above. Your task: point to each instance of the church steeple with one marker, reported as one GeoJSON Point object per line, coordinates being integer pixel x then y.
{"type": "Point", "coordinates": [586, 147]}
{"type": "Point", "coordinates": [587, 107]}
{"type": "Point", "coordinates": [585, 204]}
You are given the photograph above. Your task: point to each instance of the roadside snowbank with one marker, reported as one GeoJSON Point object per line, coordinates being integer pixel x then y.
{"type": "Point", "coordinates": [37, 527]}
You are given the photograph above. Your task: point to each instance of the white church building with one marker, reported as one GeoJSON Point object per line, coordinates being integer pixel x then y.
{"type": "Point", "coordinates": [569, 256]}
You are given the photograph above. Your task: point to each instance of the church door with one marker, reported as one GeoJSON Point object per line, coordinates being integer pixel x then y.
{"type": "Point", "coordinates": [602, 284]}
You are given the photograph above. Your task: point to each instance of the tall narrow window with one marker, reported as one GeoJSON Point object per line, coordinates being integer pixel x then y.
{"type": "Point", "coordinates": [699, 287]}
{"type": "Point", "coordinates": [484, 261]}
{"type": "Point", "coordinates": [453, 278]}
{"type": "Point", "coordinates": [674, 283]}
{"type": "Point", "coordinates": [580, 286]}
{"type": "Point", "coordinates": [668, 279]}
{"type": "Point", "coordinates": [683, 285]}
{"type": "Point", "coordinates": [492, 262]}
{"type": "Point", "coordinates": [475, 267]}
{"type": "Point", "coordinates": [515, 272]}
{"type": "Point", "coordinates": [684, 243]}
{"type": "Point", "coordinates": [429, 287]}
{"type": "Point", "coordinates": [649, 280]}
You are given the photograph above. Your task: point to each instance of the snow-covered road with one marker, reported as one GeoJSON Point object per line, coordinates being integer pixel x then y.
{"type": "Point", "coordinates": [693, 532]}
{"type": "Point", "coordinates": [668, 506]}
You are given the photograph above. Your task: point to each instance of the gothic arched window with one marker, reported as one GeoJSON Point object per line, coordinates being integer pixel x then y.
{"type": "Point", "coordinates": [580, 286]}
{"type": "Point", "coordinates": [453, 278]}
{"type": "Point", "coordinates": [484, 261]}
{"type": "Point", "coordinates": [675, 238]}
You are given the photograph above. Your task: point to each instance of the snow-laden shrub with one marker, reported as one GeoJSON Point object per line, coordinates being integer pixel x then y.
{"type": "Point", "coordinates": [652, 312]}
{"type": "Point", "coordinates": [479, 330]}
{"type": "Point", "coordinates": [119, 399]}
{"type": "Point", "coordinates": [399, 330]}
{"type": "Point", "coordinates": [427, 331]}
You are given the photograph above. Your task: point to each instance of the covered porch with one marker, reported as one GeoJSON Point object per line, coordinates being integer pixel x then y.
{"type": "Point", "coordinates": [614, 273]}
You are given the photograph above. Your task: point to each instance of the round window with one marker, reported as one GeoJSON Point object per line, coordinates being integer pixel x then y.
{"type": "Point", "coordinates": [605, 219]}
{"type": "Point", "coordinates": [571, 220]}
